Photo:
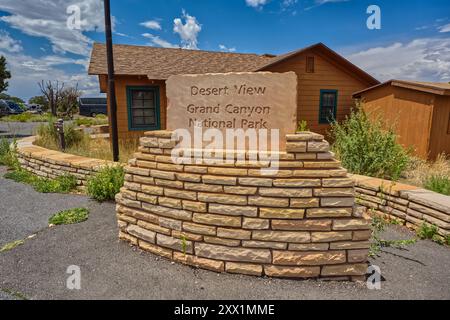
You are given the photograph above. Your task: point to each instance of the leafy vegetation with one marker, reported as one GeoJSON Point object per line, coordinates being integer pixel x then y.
{"type": "Point", "coordinates": [11, 245]}
{"type": "Point", "coordinates": [62, 184]}
{"type": "Point", "coordinates": [438, 183]}
{"type": "Point", "coordinates": [302, 126]}
{"type": "Point", "coordinates": [99, 119]}
{"type": "Point", "coordinates": [26, 117]}
{"type": "Point", "coordinates": [427, 231]}
{"type": "Point", "coordinates": [48, 136]}
{"type": "Point", "coordinates": [366, 147]}
{"type": "Point", "coordinates": [379, 224]}
{"type": "Point", "coordinates": [4, 74]}
{"type": "Point", "coordinates": [70, 216]}
{"type": "Point", "coordinates": [8, 153]}
{"type": "Point", "coordinates": [106, 183]}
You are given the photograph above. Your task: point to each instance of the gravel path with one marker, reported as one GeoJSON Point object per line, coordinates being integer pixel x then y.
{"type": "Point", "coordinates": [24, 211]}
{"type": "Point", "coordinates": [112, 270]}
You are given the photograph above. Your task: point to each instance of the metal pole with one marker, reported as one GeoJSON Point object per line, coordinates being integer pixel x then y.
{"type": "Point", "coordinates": [60, 130]}
{"type": "Point", "coordinates": [111, 86]}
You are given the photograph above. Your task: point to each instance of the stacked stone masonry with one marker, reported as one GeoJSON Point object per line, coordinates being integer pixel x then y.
{"type": "Point", "coordinates": [51, 164]}
{"type": "Point", "coordinates": [409, 205]}
{"type": "Point", "coordinates": [299, 222]}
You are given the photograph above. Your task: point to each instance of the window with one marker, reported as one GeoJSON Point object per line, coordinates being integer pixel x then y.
{"type": "Point", "coordinates": [328, 106]}
{"type": "Point", "coordinates": [310, 64]}
{"type": "Point", "coordinates": [143, 108]}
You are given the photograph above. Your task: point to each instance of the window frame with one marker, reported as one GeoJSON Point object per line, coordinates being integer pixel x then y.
{"type": "Point", "coordinates": [155, 90]}
{"type": "Point", "coordinates": [322, 92]}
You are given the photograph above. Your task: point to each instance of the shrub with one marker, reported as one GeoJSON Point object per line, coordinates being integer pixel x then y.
{"type": "Point", "coordinates": [70, 216]}
{"type": "Point", "coordinates": [106, 183]}
{"type": "Point", "coordinates": [97, 120]}
{"type": "Point", "coordinates": [427, 231]}
{"type": "Point", "coordinates": [366, 147]}
{"type": "Point", "coordinates": [8, 153]}
{"type": "Point", "coordinates": [48, 136]}
{"type": "Point", "coordinates": [27, 117]}
{"type": "Point", "coordinates": [438, 183]}
{"type": "Point", "coordinates": [62, 184]}
{"type": "Point", "coordinates": [302, 126]}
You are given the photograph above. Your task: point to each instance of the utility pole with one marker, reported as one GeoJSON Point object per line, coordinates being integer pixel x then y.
{"type": "Point", "coordinates": [111, 85]}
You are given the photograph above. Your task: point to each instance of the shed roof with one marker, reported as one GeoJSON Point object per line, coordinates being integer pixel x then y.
{"type": "Point", "coordinates": [438, 88]}
{"type": "Point", "coordinates": [160, 63]}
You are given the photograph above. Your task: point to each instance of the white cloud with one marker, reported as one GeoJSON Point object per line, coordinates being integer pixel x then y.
{"type": "Point", "coordinates": [426, 59]}
{"type": "Point", "coordinates": [225, 48]}
{"type": "Point", "coordinates": [27, 71]}
{"type": "Point", "coordinates": [156, 40]}
{"type": "Point", "coordinates": [151, 24]}
{"type": "Point", "coordinates": [9, 44]}
{"type": "Point", "coordinates": [48, 19]}
{"type": "Point", "coordinates": [188, 31]}
{"type": "Point", "coordinates": [256, 3]}
{"type": "Point", "coordinates": [445, 28]}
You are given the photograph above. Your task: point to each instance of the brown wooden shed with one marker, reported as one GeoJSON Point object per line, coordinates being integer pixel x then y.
{"type": "Point", "coordinates": [326, 80]}
{"type": "Point", "coordinates": [419, 111]}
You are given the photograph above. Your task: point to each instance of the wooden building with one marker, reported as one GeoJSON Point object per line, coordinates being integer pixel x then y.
{"type": "Point", "coordinates": [326, 80]}
{"type": "Point", "coordinates": [419, 112]}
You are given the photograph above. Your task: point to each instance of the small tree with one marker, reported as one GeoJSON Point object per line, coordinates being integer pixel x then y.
{"type": "Point", "coordinates": [68, 103]}
{"type": "Point", "coordinates": [52, 92]}
{"type": "Point", "coordinates": [4, 75]}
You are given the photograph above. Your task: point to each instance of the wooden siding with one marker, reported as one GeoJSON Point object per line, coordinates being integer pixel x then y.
{"type": "Point", "coordinates": [121, 96]}
{"type": "Point", "coordinates": [440, 132]}
{"type": "Point", "coordinates": [327, 75]}
{"type": "Point", "coordinates": [409, 111]}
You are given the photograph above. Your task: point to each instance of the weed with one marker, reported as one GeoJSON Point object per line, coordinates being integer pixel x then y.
{"type": "Point", "coordinates": [62, 184]}
{"type": "Point", "coordinates": [15, 294]}
{"type": "Point", "coordinates": [427, 231]}
{"type": "Point", "coordinates": [12, 245]}
{"type": "Point", "coordinates": [302, 126]}
{"type": "Point", "coordinates": [183, 244]}
{"type": "Point", "coordinates": [438, 183]}
{"type": "Point", "coordinates": [98, 120]}
{"type": "Point", "coordinates": [26, 117]}
{"type": "Point", "coordinates": [8, 153]}
{"type": "Point", "coordinates": [70, 216]}
{"type": "Point", "coordinates": [106, 183]}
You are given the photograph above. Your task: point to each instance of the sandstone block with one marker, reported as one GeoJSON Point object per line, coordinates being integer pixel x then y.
{"type": "Point", "coordinates": [328, 212]}
{"type": "Point", "coordinates": [351, 224]}
{"type": "Point", "coordinates": [350, 245]}
{"type": "Point", "coordinates": [232, 254]}
{"type": "Point", "coordinates": [240, 190]}
{"type": "Point", "coordinates": [153, 227]}
{"type": "Point", "coordinates": [283, 236]}
{"type": "Point", "coordinates": [233, 233]}
{"type": "Point", "coordinates": [162, 174]}
{"type": "Point", "coordinates": [291, 272]}
{"type": "Point", "coordinates": [222, 241]}
{"type": "Point", "coordinates": [186, 235]}
{"type": "Point", "coordinates": [233, 210]}
{"type": "Point", "coordinates": [331, 236]}
{"type": "Point", "coordinates": [362, 235]}
{"type": "Point", "coordinates": [217, 220]}
{"type": "Point", "coordinates": [337, 202]}
{"type": "Point", "coordinates": [147, 198]}
{"type": "Point", "coordinates": [296, 147]}
{"type": "Point", "coordinates": [170, 223]}
{"type": "Point", "coordinates": [255, 224]}
{"type": "Point", "coordinates": [337, 183]}
{"type": "Point", "coordinates": [258, 182]}
{"type": "Point", "coordinates": [264, 244]}
{"type": "Point", "coordinates": [309, 246]}
{"type": "Point", "coordinates": [203, 187]}
{"type": "Point", "coordinates": [281, 213]}
{"type": "Point", "coordinates": [153, 190]}
{"type": "Point", "coordinates": [285, 192]}
{"type": "Point", "coordinates": [268, 202]}
{"type": "Point", "coordinates": [304, 202]}
{"type": "Point", "coordinates": [180, 194]}
{"type": "Point", "coordinates": [169, 183]}
{"type": "Point", "coordinates": [174, 243]}
{"type": "Point", "coordinates": [293, 258]}
{"type": "Point", "coordinates": [168, 212]}
{"type": "Point", "coordinates": [199, 228]}
{"type": "Point", "coordinates": [302, 225]}
{"type": "Point", "coordinates": [222, 198]}
{"type": "Point", "coordinates": [141, 233]}
{"type": "Point", "coordinates": [155, 249]}
{"type": "Point", "coordinates": [169, 202]}
{"type": "Point", "coordinates": [297, 183]}
{"type": "Point", "coordinates": [189, 177]}
{"type": "Point", "coordinates": [227, 171]}
{"type": "Point", "coordinates": [194, 206]}
{"type": "Point", "coordinates": [204, 263]}
{"type": "Point", "coordinates": [126, 237]}
{"type": "Point", "coordinates": [221, 180]}
{"type": "Point", "coordinates": [345, 270]}
{"type": "Point", "coordinates": [137, 171]}
{"type": "Point", "coordinates": [244, 268]}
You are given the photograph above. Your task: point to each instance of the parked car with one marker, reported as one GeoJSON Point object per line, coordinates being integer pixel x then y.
{"type": "Point", "coordinates": [90, 107]}
{"type": "Point", "coordinates": [4, 108]}
{"type": "Point", "coordinates": [35, 108]}
{"type": "Point", "coordinates": [11, 107]}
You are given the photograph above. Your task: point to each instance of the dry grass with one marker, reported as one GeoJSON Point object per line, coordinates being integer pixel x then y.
{"type": "Point", "coordinates": [96, 148]}
{"type": "Point", "coordinates": [420, 170]}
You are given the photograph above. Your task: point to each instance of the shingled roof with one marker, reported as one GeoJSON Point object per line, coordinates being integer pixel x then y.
{"type": "Point", "coordinates": [160, 63]}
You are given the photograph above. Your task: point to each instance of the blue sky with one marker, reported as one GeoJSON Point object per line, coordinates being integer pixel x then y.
{"type": "Point", "coordinates": [413, 42]}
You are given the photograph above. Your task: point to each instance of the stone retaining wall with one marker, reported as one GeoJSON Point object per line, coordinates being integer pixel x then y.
{"type": "Point", "coordinates": [300, 222]}
{"type": "Point", "coordinates": [51, 164]}
{"type": "Point", "coordinates": [412, 206]}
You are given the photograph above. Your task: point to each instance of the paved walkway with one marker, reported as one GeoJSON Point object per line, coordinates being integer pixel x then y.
{"type": "Point", "coordinates": [112, 270]}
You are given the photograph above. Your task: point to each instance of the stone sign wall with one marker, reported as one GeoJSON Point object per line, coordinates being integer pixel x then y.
{"type": "Point", "coordinates": [245, 101]}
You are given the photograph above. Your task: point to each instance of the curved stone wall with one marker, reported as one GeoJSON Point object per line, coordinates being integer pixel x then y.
{"type": "Point", "coordinates": [299, 222]}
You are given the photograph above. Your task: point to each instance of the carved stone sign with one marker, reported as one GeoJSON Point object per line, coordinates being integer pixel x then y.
{"type": "Point", "coordinates": [258, 100]}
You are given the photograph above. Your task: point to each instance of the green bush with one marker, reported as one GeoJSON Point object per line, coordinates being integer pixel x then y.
{"type": "Point", "coordinates": [70, 216]}
{"type": "Point", "coordinates": [62, 184]}
{"type": "Point", "coordinates": [438, 183]}
{"type": "Point", "coordinates": [97, 120]}
{"type": "Point", "coordinates": [106, 183]}
{"type": "Point", "coordinates": [8, 153]}
{"type": "Point", "coordinates": [427, 231]}
{"type": "Point", "coordinates": [27, 117]}
{"type": "Point", "coordinates": [48, 136]}
{"type": "Point", "coordinates": [366, 147]}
